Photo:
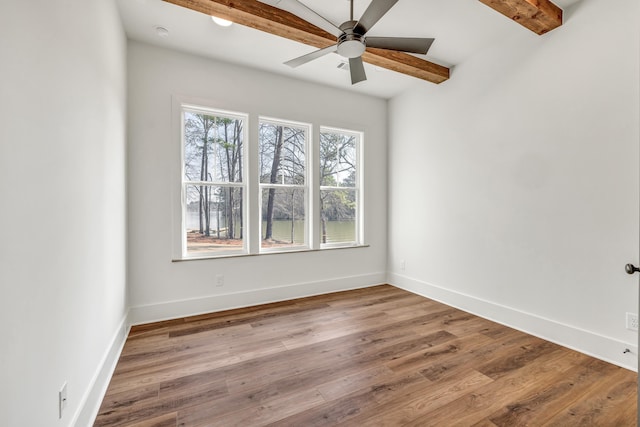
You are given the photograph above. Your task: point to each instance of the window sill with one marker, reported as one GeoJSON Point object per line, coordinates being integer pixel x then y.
{"type": "Point", "coordinates": [290, 251]}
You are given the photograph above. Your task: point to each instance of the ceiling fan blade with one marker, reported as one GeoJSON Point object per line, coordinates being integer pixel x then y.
{"type": "Point", "coordinates": [304, 12]}
{"type": "Point", "coordinates": [296, 62]}
{"type": "Point", "coordinates": [356, 66]}
{"type": "Point", "coordinates": [402, 44]}
{"type": "Point", "coordinates": [374, 12]}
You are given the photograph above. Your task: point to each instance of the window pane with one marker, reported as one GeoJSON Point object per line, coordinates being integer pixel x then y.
{"type": "Point", "coordinates": [283, 217]}
{"type": "Point", "coordinates": [212, 148]}
{"type": "Point", "coordinates": [213, 221]}
{"type": "Point", "coordinates": [337, 159]}
{"type": "Point", "coordinates": [282, 154]}
{"type": "Point", "coordinates": [338, 216]}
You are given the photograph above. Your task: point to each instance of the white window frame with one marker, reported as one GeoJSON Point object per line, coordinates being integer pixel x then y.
{"type": "Point", "coordinates": [198, 109]}
{"type": "Point", "coordinates": [252, 189]}
{"type": "Point", "coordinates": [359, 222]}
{"type": "Point", "coordinates": [307, 128]}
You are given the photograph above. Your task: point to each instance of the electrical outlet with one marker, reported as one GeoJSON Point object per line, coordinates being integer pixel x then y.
{"type": "Point", "coordinates": [62, 399]}
{"type": "Point", "coordinates": [632, 321]}
{"type": "Point", "coordinates": [403, 265]}
{"type": "Point", "coordinates": [219, 280]}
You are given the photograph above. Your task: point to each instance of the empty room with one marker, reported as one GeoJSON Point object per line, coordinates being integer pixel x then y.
{"type": "Point", "coordinates": [306, 212]}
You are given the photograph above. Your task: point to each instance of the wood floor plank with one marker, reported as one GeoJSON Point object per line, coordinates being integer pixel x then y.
{"type": "Point", "coordinates": [117, 405]}
{"type": "Point", "coordinates": [483, 402]}
{"type": "Point", "coordinates": [485, 423]}
{"type": "Point", "coordinates": [266, 414]}
{"type": "Point", "coordinates": [375, 356]}
{"type": "Point", "coordinates": [224, 323]}
{"type": "Point", "coordinates": [411, 406]}
{"type": "Point", "coordinates": [360, 380]}
{"type": "Point", "coordinates": [449, 364]}
{"type": "Point", "coordinates": [335, 357]}
{"type": "Point", "coordinates": [166, 420]}
{"type": "Point", "coordinates": [424, 360]}
{"type": "Point", "coordinates": [348, 407]}
{"type": "Point", "coordinates": [188, 365]}
{"type": "Point", "coordinates": [136, 346]}
{"type": "Point", "coordinates": [540, 405]}
{"type": "Point", "coordinates": [602, 404]}
{"type": "Point", "coordinates": [330, 330]}
{"type": "Point", "coordinates": [517, 358]}
{"type": "Point", "coordinates": [164, 404]}
{"type": "Point", "coordinates": [356, 350]}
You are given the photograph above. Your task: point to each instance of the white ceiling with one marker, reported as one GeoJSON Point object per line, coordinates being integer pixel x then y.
{"type": "Point", "coordinates": [461, 29]}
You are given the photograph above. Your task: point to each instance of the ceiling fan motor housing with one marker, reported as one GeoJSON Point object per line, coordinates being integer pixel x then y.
{"type": "Point", "coordinates": [350, 43]}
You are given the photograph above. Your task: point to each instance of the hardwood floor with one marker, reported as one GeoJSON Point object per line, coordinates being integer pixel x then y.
{"type": "Point", "coordinates": [371, 357]}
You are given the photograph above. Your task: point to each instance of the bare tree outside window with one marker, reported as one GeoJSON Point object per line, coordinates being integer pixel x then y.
{"type": "Point", "coordinates": [338, 186]}
{"type": "Point", "coordinates": [283, 168]}
{"type": "Point", "coordinates": [213, 152]}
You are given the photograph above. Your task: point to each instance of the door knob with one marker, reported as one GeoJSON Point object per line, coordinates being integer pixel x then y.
{"type": "Point", "coordinates": [630, 269]}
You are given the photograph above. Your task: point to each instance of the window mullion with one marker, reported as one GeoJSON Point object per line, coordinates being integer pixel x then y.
{"type": "Point", "coordinates": [283, 186]}
{"type": "Point", "coordinates": [314, 190]}
{"type": "Point", "coordinates": [215, 183]}
{"type": "Point", "coordinates": [254, 199]}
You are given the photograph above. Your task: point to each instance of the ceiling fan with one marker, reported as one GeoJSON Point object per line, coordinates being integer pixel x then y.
{"type": "Point", "coordinates": [351, 35]}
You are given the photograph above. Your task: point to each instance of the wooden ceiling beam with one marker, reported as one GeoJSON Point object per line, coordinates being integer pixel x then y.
{"type": "Point", "coordinates": [260, 16]}
{"type": "Point", "coordinates": [540, 16]}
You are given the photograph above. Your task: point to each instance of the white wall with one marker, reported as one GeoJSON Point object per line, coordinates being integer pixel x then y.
{"type": "Point", "coordinates": [514, 185]}
{"type": "Point", "coordinates": [62, 221]}
{"type": "Point", "coordinates": [161, 288]}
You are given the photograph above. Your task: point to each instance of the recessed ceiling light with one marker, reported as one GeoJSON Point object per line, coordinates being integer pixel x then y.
{"type": "Point", "coordinates": [221, 22]}
{"type": "Point", "coordinates": [162, 31]}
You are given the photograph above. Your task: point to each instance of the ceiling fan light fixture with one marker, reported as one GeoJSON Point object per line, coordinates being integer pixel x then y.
{"type": "Point", "coordinates": [350, 44]}
{"type": "Point", "coordinates": [351, 49]}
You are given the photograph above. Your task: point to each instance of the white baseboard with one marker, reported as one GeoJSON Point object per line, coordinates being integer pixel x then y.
{"type": "Point", "coordinates": [590, 343]}
{"type": "Point", "coordinates": [92, 399]}
{"type": "Point", "coordinates": [190, 307]}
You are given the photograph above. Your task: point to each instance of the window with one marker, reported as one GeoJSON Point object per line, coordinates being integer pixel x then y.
{"type": "Point", "coordinates": [339, 187]}
{"type": "Point", "coordinates": [301, 192]}
{"type": "Point", "coordinates": [283, 184]}
{"type": "Point", "coordinates": [214, 189]}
